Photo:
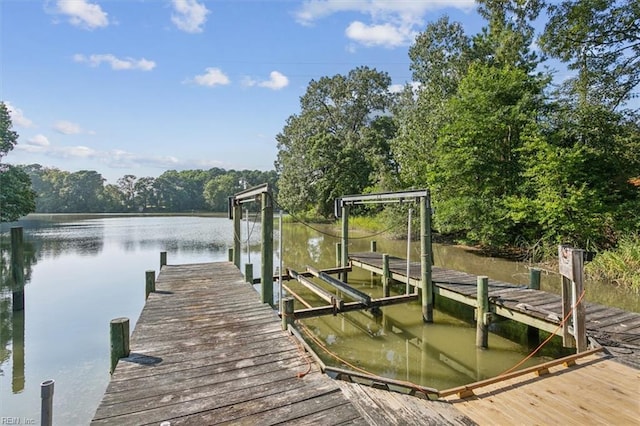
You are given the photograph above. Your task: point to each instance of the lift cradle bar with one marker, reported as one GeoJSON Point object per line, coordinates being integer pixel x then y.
{"type": "Point", "coordinates": [343, 287]}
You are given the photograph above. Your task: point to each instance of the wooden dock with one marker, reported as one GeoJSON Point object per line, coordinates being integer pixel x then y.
{"type": "Point", "coordinates": [597, 390]}
{"type": "Point", "coordinates": [205, 350]}
{"type": "Point", "coordinates": [609, 326]}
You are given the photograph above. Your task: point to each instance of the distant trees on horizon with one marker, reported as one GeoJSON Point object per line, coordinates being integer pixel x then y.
{"type": "Point", "coordinates": [85, 191]}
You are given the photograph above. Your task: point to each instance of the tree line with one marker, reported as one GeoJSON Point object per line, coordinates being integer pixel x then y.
{"type": "Point", "coordinates": [510, 157]}
{"type": "Point", "coordinates": [85, 191]}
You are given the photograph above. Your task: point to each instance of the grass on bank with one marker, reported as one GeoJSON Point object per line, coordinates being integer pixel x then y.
{"type": "Point", "coordinates": [620, 265]}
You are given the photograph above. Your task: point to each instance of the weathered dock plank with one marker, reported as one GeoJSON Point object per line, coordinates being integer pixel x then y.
{"type": "Point", "coordinates": [533, 307]}
{"type": "Point", "coordinates": [206, 350]}
{"type": "Point", "coordinates": [597, 390]}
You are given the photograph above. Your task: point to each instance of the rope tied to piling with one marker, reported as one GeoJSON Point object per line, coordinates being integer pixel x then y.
{"type": "Point", "coordinates": [541, 345]}
{"type": "Point", "coordinates": [317, 341]}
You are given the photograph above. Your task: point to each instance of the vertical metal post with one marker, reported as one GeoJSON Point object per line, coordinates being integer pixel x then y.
{"type": "Point", "coordinates": [248, 238]}
{"type": "Point", "coordinates": [46, 395]}
{"type": "Point", "coordinates": [345, 240]}
{"type": "Point", "coordinates": [237, 218]}
{"type": "Point", "coordinates": [425, 259]}
{"type": "Point", "coordinates": [267, 248]}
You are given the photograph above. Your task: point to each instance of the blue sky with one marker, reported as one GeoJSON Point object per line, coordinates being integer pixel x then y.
{"type": "Point", "coordinates": [143, 86]}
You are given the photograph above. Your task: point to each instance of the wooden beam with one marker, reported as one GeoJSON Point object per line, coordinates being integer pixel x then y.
{"type": "Point", "coordinates": [354, 306]}
{"type": "Point", "coordinates": [468, 389]}
{"type": "Point", "coordinates": [379, 379]}
{"type": "Point", "coordinates": [343, 287]}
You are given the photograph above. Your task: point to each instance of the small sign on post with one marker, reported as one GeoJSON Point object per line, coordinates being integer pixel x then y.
{"type": "Point", "coordinates": [571, 268]}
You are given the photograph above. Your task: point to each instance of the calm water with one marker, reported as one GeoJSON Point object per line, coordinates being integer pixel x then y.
{"type": "Point", "coordinates": [84, 271]}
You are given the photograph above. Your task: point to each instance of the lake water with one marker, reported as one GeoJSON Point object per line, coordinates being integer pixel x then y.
{"type": "Point", "coordinates": [83, 271]}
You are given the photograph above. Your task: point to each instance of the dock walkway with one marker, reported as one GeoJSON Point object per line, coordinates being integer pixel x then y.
{"type": "Point", "coordinates": [205, 350]}
{"type": "Point", "coordinates": [611, 327]}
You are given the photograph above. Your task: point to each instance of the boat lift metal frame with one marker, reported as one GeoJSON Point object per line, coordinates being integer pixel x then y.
{"type": "Point", "coordinates": [261, 193]}
{"type": "Point", "coordinates": [423, 198]}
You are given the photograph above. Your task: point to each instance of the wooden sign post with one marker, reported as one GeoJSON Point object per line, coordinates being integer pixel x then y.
{"type": "Point", "coordinates": [571, 268]}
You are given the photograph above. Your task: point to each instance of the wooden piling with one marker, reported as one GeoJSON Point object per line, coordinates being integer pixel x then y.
{"type": "Point", "coordinates": [345, 240]}
{"type": "Point", "coordinates": [248, 272]}
{"type": "Point", "coordinates": [230, 254]}
{"type": "Point", "coordinates": [266, 278]}
{"type": "Point", "coordinates": [163, 259]}
{"type": "Point", "coordinates": [386, 275]}
{"type": "Point", "coordinates": [534, 279]}
{"type": "Point", "coordinates": [482, 313]}
{"type": "Point", "coordinates": [119, 334]}
{"type": "Point", "coordinates": [150, 283]}
{"type": "Point", "coordinates": [17, 268]}
{"type": "Point", "coordinates": [237, 219]}
{"type": "Point", "coordinates": [533, 334]}
{"type": "Point", "coordinates": [425, 260]}
{"type": "Point", "coordinates": [374, 246]}
{"type": "Point", "coordinates": [287, 312]}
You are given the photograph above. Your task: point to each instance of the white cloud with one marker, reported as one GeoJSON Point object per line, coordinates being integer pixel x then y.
{"type": "Point", "coordinates": [212, 77]}
{"type": "Point", "coordinates": [83, 14]}
{"type": "Point", "coordinates": [17, 116]}
{"type": "Point", "coordinates": [276, 81]}
{"type": "Point", "coordinates": [38, 140]}
{"type": "Point", "coordinates": [67, 128]}
{"type": "Point", "coordinates": [393, 23]}
{"type": "Point", "coordinates": [117, 64]}
{"type": "Point", "coordinates": [399, 88]}
{"type": "Point", "coordinates": [190, 16]}
{"type": "Point", "coordinates": [386, 35]}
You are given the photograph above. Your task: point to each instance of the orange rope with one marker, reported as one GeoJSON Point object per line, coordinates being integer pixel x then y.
{"type": "Point", "coordinates": [347, 363]}
{"type": "Point", "coordinates": [541, 345]}
{"type": "Point", "coordinates": [306, 357]}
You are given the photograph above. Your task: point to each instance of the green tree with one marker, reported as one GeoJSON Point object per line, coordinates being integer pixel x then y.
{"type": "Point", "coordinates": [16, 196]}
{"type": "Point", "coordinates": [217, 190]}
{"type": "Point", "coordinates": [9, 138]}
{"type": "Point", "coordinates": [322, 152]}
{"type": "Point", "coordinates": [478, 162]}
{"type": "Point", "coordinates": [600, 40]}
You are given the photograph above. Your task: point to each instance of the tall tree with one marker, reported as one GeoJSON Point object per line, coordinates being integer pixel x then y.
{"type": "Point", "coordinates": [16, 196]}
{"type": "Point", "coordinates": [8, 137]}
{"type": "Point", "coordinates": [600, 40]}
{"type": "Point", "coordinates": [322, 152]}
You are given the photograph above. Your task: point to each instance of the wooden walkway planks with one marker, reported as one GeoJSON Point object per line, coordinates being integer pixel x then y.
{"type": "Point", "coordinates": [205, 350]}
{"type": "Point", "coordinates": [595, 391]}
{"type": "Point", "coordinates": [610, 326]}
